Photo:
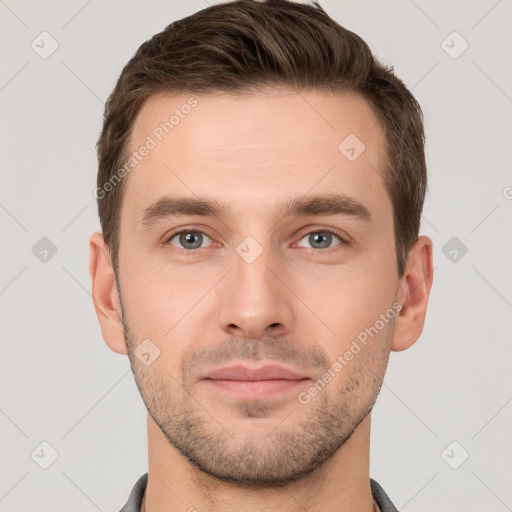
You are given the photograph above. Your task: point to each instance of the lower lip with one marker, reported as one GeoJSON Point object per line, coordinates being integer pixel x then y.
{"type": "Point", "coordinates": [256, 388]}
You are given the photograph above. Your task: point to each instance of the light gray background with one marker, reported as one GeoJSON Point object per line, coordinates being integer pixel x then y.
{"type": "Point", "coordinates": [61, 384]}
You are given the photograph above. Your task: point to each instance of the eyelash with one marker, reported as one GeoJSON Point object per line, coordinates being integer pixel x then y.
{"type": "Point", "coordinates": [192, 230]}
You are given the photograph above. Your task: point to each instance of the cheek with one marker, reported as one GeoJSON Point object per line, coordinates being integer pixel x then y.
{"type": "Point", "coordinates": [151, 304]}
{"type": "Point", "coordinates": [166, 306]}
{"type": "Point", "coordinates": [347, 301]}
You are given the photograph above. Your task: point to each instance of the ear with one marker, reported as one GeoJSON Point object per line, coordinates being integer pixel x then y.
{"type": "Point", "coordinates": [104, 294]}
{"type": "Point", "coordinates": [413, 294]}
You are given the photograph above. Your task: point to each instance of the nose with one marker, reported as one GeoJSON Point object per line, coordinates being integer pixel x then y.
{"type": "Point", "coordinates": [254, 302]}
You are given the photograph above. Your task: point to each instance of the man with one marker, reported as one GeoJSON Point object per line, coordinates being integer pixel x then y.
{"type": "Point", "coordinates": [260, 187]}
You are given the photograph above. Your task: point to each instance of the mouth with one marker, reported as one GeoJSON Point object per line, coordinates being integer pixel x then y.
{"type": "Point", "coordinates": [254, 383]}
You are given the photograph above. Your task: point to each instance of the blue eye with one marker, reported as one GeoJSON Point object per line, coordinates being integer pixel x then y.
{"type": "Point", "coordinates": [321, 239]}
{"type": "Point", "coordinates": [189, 239]}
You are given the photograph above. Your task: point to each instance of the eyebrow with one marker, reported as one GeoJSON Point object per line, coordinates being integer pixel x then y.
{"type": "Point", "coordinates": [324, 204]}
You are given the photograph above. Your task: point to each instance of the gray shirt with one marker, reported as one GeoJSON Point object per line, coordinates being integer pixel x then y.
{"type": "Point", "coordinates": [135, 500]}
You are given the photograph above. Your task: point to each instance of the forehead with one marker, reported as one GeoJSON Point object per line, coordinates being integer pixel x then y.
{"type": "Point", "coordinates": [253, 148]}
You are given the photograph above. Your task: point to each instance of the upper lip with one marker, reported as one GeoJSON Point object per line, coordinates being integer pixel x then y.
{"type": "Point", "coordinates": [240, 372]}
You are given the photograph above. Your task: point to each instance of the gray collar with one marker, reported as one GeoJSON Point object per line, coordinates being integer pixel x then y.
{"type": "Point", "coordinates": [135, 500]}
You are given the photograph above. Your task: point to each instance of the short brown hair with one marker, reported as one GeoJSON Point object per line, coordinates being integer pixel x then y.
{"type": "Point", "coordinates": [244, 46]}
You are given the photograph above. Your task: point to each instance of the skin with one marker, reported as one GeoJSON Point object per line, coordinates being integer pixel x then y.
{"type": "Point", "coordinates": [297, 304]}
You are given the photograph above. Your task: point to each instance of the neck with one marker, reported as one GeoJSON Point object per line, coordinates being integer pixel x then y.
{"type": "Point", "coordinates": [341, 484]}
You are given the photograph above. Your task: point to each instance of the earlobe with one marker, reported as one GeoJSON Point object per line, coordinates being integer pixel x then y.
{"type": "Point", "coordinates": [104, 293]}
{"type": "Point", "coordinates": [414, 293]}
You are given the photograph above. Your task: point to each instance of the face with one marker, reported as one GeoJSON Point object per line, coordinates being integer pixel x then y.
{"type": "Point", "coordinates": [254, 234]}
